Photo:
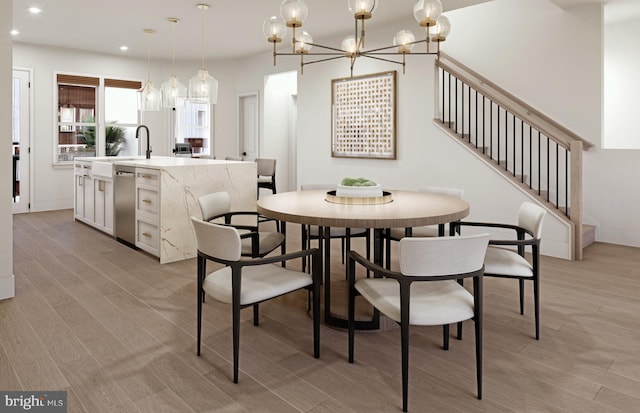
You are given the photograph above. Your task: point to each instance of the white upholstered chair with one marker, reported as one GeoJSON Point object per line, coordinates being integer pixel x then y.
{"type": "Point", "coordinates": [396, 234]}
{"type": "Point", "coordinates": [217, 206]}
{"type": "Point", "coordinates": [505, 262]}
{"type": "Point", "coordinates": [248, 282]}
{"type": "Point", "coordinates": [424, 292]}
{"type": "Point", "coordinates": [266, 174]}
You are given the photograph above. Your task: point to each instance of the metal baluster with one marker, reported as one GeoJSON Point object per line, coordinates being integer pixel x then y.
{"type": "Point", "coordinates": [490, 129]}
{"type": "Point", "coordinates": [566, 182]}
{"type": "Point", "coordinates": [443, 96]}
{"type": "Point", "coordinates": [530, 157]}
{"type": "Point", "coordinates": [449, 114]}
{"type": "Point", "coordinates": [539, 165]}
{"type": "Point", "coordinates": [484, 119]}
{"type": "Point", "coordinates": [477, 119]}
{"type": "Point", "coordinates": [548, 166]}
{"type": "Point", "coordinates": [462, 109]}
{"type": "Point", "coordinates": [557, 176]}
{"type": "Point", "coordinates": [498, 125]}
{"type": "Point", "coordinates": [456, 106]}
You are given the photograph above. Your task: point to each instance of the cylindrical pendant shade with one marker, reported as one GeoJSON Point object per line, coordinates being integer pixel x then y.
{"type": "Point", "coordinates": [172, 90]}
{"type": "Point", "coordinates": [149, 98]}
{"type": "Point", "coordinates": [203, 88]}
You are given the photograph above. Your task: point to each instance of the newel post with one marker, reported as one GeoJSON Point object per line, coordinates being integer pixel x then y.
{"type": "Point", "coordinates": [576, 197]}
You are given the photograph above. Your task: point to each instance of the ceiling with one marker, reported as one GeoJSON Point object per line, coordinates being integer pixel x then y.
{"type": "Point", "coordinates": [232, 28]}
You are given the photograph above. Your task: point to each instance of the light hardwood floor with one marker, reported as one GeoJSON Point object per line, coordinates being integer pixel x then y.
{"type": "Point", "coordinates": [116, 330]}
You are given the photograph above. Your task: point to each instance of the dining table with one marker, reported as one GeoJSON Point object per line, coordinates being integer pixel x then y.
{"type": "Point", "coordinates": [397, 209]}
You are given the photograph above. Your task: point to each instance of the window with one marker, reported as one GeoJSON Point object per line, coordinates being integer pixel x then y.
{"type": "Point", "coordinates": [121, 117]}
{"type": "Point", "coordinates": [193, 126]}
{"type": "Point", "coordinates": [77, 103]}
{"type": "Point", "coordinates": [80, 117]}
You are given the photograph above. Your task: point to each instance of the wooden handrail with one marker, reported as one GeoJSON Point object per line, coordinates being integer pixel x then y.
{"type": "Point", "coordinates": [555, 131]}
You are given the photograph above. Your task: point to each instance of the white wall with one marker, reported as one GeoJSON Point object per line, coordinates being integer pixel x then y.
{"type": "Point", "coordinates": [7, 286]}
{"type": "Point", "coordinates": [622, 83]}
{"type": "Point", "coordinates": [274, 143]}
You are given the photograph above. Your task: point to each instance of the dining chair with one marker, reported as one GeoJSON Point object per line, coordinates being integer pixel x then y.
{"type": "Point", "coordinates": [505, 261]}
{"type": "Point", "coordinates": [311, 232]}
{"type": "Point", "coordinates": [255, 243]}
{"type": "Point", "coordinates": [266, 174]}
{"type": "Point", "coordinates": [424, 292]}
{"type": "Point", "coordinates": [396, 234]}
{"type": "Point", "coordinates": [248, 282]}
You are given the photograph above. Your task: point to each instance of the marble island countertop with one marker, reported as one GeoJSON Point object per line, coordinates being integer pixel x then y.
{"type": "Point", "coordinates": [155, 162]}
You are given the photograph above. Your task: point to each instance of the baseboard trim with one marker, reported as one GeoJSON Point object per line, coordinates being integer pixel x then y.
{"type": "Point", "coordinates": [7, 287]}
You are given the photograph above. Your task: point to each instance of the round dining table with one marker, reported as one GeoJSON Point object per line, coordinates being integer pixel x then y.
{"type": "Point", "coordinates": [406, 209]}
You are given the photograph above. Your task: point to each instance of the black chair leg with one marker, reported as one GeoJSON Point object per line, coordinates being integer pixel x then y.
{"type": "Point", "coordinates": [445, 337]}
{"type": "Point", "coordinates": [521, 285]}
{"type": "Point", "coordinates": [200, 299]}
{"type": "Point", "coordinates": [236, 341]}
{"type": "Point", "coordinates": [404, 333]}
{"type": "Point", "coordinates": [368, 241]}
{"type": "Point", "coordinates": [256, 315]}
{"type": "Point", "coordinates": [459, 332]}
{"type": "Point", "coordinates": [536, 303]}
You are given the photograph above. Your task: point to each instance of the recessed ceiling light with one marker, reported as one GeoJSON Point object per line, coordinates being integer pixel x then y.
{"type": "Point", "coordinates": [14, 32]}
{"type": "Point", "coordinates": [124, 48]}
{"type": "Point", "coordinates": [35, 10]}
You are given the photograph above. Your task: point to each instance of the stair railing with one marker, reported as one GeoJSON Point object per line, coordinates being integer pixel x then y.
{"type": "Point", "coordinates": [535, 152]}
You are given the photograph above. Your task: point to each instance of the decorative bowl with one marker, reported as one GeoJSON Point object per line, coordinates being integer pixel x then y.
{"type": "Point", "coordinates": [359, 191]}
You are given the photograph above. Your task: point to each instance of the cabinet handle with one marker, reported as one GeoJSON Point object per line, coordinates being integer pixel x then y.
{"type": "Point", "coordinates": [146, 234]}
{"type": "Point", "coordinates": [146, 176]}
{"type": "Point", "coordinates": [100, 185]}
{"type": "Point", "coordinates": [80, 180]}
{"type": "Point", "coordinates": [146, 201]}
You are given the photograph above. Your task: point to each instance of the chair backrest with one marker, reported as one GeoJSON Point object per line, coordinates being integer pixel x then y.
{"type": "Point", "coordinates": [436, 256]}
{"type": "Point", "coordinates": [455, 192]}
{"type": "Point", "coordinates": [217, 241]}
{"type": "Point", "coordinates": [233, 158]}
{"type": "Point", "coordinates": [530, 217]}
{"type": "Point", "coordinates": [266, 167]}
{"type": "Point", "coordinates": [214, 204]}
{"type": "Point", "coordinates": [309, 187]}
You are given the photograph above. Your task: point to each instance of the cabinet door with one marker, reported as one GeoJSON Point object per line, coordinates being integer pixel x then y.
{"type": "Point", "coordinates": [89, 203]}
{"type": "Point", "coordinates": [79, 196]}
{"type": "Point", "coordinates": [103, 207]}
{"type": "Point", "coordinates": [108, 206]}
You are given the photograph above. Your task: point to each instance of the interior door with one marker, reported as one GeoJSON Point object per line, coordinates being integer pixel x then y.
{"type": "Point", "coordinates": [248, 125]}
{"type": "Point", "coordinates": [20, 136]}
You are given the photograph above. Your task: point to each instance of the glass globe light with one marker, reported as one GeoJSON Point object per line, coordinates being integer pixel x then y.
{"type": "Point", "coordinates": [303, 43]}
{"type": "Point", "coordinates": [294, 12]}
{"type": "Point", "coordinates": [362, 8]}
{"type": "Point", "coordinates": [349, 45]}
{"type": "Point", "coordinates": [274, 29]}
{"type": "Point", "coordinates": [442, 29]}
{"type": "Point", "coordinates": [404, 41]}
{"type": "Point", "coordinates": [427, 12]}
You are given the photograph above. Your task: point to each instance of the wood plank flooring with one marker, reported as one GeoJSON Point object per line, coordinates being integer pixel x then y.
{"type": "Point", "coordinates": [116, 330]}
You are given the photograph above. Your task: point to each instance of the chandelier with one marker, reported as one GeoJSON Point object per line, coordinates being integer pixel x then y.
{"type": "Point", "coordinates": [428, 13]}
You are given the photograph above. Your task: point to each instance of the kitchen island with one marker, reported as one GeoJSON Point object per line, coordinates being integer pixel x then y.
{"type": "Point", "coordinates": [166, 191]}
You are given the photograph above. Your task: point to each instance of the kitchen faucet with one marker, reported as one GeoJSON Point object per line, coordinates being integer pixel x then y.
{"type": "Point", "coordinates": [148, 152]}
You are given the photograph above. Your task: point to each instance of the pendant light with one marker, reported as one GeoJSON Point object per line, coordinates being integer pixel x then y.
{"type": "Point", "coordinates": [172, 90]}
{"type": "Point", "coordinates": [203, 88]}
{"type": "Point", "coordinates": [149, 98]}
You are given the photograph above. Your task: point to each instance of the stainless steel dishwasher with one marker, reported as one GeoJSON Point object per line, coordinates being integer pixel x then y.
{"type": "Point", "coordinates": [125, 204]}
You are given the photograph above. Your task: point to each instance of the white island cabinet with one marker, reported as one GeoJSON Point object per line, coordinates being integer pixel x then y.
{"type": "Point", "coordinates": [166, 196]}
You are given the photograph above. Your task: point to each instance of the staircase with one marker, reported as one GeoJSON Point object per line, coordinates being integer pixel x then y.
{"type": "Point", "coordinates": [532, 151]}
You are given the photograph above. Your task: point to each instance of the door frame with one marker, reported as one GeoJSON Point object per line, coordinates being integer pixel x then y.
{"type": "Point", "coordinates": [31, 167]}
{"type": "Point", "coordinates": [241, 96]}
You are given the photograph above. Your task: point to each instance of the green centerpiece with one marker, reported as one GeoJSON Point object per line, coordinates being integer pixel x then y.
{"type": "Point", "coordinates": [358, 187]}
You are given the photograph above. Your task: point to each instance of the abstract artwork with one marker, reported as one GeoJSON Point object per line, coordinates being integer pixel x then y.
{"type": "Point", "coordinates": [364, 116]}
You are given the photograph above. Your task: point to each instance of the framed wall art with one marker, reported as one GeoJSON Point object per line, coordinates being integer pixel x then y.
{"type": "Point", "coordinates": [363, 120]}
